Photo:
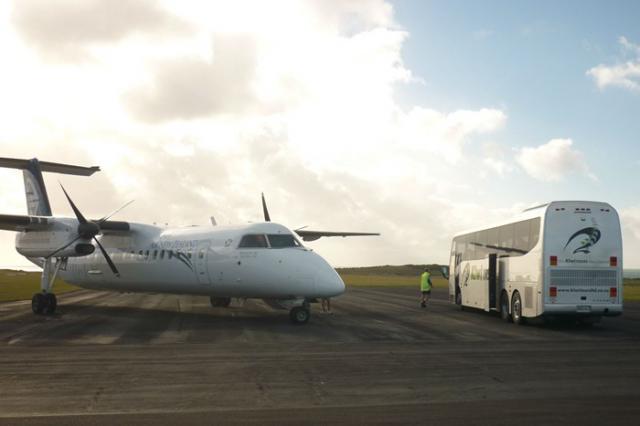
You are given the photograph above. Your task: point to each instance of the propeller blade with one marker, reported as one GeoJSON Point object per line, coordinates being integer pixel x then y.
{"type": "Point", "coordinates": [267, 218]}
{"type": "Point", "coordinates": [81, 218]}
{"type": "Point", "coordinates": [106, 256]}
{"type": "Point", "coordinates": [107, 217]}
{"type": "Point", "coordinates": [64, 247]}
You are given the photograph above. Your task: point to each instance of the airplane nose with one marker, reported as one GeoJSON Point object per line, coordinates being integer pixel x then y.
{"type": "Point", "coordinates": [329, 283]}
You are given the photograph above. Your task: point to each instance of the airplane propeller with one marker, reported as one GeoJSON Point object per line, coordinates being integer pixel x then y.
{"type": "Point", "coordinates": [267, 218]}
{"type": "Point", "coordinates": [87, 230]}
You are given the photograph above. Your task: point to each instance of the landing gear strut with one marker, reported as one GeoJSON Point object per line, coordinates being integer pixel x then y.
{"type": "Point", "coordinates": [46, 302]}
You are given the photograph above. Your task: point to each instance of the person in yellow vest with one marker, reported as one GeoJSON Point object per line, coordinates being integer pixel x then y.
{"type": "Point", "coordinates": [425, 287]}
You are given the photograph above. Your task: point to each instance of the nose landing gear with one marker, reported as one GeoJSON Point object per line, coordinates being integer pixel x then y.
{"type": "Point", "coordinates": [300, 314]}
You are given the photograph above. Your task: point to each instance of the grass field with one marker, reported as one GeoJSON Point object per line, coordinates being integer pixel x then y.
{"type": "Point", "coordinates": [409, 276]}
{"type": "Point", "coordinates": [632, 290]}
{"type": "Point", "coordinates": [20, 285]}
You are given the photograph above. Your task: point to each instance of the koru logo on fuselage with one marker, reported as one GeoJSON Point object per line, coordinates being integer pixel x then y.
{"type": "Point", "coordinates": [590, 238]}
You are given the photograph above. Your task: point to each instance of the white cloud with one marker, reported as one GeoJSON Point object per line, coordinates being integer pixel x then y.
{"type": "Point", "coordinates": [444, 134]}
{"type": "Point", "coordinates": [189, 128]}
{"type": "Point", "coordinates": [625, 74]}
{"type": "Point", "coordinates": [495, 159]}
{"type": "Point", "coordinates": [65, 31]}
{"type": "Point", "coordinates": [185, 88]}
{"type": "Point", "coordinates": [553, 161]}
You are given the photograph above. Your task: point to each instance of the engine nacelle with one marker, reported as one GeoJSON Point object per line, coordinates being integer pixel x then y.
{"type": "Point", "coordinates": [42, 244]}
{"type": "Point", "coordinates": [74, 250]}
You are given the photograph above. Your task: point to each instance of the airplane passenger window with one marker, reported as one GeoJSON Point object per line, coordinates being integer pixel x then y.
{"type": "Point", "coordinates": [161, 254]}
{"type": "Point", "coordinates": [170, 254]}
{"type": "Point", "coordinates": [155, 254]}
{"type": "Point", "coordinates": [283, 240]}
{"type": "Point", "coordinates": [146, 254]}
{"type": "Point", "coordinates": [253, 241]}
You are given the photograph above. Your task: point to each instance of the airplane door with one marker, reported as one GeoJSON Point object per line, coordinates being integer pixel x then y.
{"type": "Point", "coordinates": [201, 256]}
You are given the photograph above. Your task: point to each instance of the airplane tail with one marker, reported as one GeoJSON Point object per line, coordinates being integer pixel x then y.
{"type": "Point", "coordinates": [34, 188]}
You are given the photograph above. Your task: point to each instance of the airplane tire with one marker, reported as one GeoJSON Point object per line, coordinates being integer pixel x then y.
{"type": "Point", "coordinates": [51, 304]}
{"type": "Point", "coordinates": [220, 302]}
{"type": "Point", "coordinates": [516, 309]}
{"type": "Point", "coordinates": [299, 315]}
{"type": "Point", "coordinates": [38, 303]}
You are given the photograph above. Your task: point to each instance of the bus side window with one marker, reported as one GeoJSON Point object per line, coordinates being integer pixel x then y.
{"type": "Point", "coordinates": [493, 240]}
{"type": "Point", "coordinates": [506, 238]}
{"type": "Point", "coordinates": [463, 248]}
{"type": "Point", "coordinates": [534, 232]}
{"type": "Point", "coordinates": [522, 236]}
{"type": "Point", "coordinates": [481, 249]}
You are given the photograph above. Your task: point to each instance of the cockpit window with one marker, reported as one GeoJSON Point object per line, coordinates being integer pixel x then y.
{"type": "Point", "coordinates": [283, 240]}
{"type": "Point", "coordinates": [253, 241]}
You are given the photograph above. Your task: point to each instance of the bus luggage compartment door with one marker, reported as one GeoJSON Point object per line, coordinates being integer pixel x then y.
{"type": "Point", "coordinates": [493, 281]}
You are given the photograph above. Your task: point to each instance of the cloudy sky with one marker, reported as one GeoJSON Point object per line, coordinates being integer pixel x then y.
{"type": "Point", "coordinates": [416, 119]}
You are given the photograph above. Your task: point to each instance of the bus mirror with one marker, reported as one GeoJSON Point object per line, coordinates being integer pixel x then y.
{"type": "Point", "coordinates": [445, 271]}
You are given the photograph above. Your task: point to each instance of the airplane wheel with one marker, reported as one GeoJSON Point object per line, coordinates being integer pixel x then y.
{"type": "Point", "coordinates": [38, 303]}
{"type": "Point", "coordinates": [516, 309]}
{"type": "Point", "coordinates": [51, 304]}
{"type": "Point", "coordinates": [220, 302]}
{"type": "Point", "coordinates": [300, 315]}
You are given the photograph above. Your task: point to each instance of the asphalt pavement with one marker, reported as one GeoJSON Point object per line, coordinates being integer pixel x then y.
{"type": "Point", "coordinates": [112, 358]}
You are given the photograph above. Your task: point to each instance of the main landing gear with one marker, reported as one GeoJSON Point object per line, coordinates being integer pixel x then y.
{"type": "Point", "coordinates": [46, 302]}
{"type": "Point", "coordinates": [220, 302]}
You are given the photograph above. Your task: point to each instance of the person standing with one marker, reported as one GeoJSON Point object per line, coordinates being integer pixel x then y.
{"type": "Point", "coordinates": [326, 305]}
{"type": "Point", "coordinates": [425, 287]}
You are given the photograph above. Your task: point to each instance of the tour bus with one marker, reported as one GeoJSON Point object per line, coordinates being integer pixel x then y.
{"type": "Point", "coordinates": [561, 259]}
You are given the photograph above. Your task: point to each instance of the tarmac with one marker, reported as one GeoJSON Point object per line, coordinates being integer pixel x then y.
{"type": "Point", "coordinates": [112, 358]}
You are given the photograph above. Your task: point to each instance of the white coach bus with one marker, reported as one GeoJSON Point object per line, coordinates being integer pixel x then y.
{"type": "Point", "coordinates": [558, 259]}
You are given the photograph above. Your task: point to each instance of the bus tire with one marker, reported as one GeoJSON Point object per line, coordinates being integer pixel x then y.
{"type": "Point", "coordinates": [504, 307]}
{"type": "Point", "coordinates": [516, 309]}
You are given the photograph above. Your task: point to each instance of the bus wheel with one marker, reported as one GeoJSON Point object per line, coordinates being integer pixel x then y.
{"type": "Point", "coordinates": [516, 309]}
{"type": "Point", "coordinates": [504, 307]}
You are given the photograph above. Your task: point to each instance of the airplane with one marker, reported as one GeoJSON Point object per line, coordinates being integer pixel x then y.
{"type": "Point", "coordinates": [257, 260]}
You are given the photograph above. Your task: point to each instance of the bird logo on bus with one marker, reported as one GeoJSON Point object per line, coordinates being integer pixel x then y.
{"type": "Point", "coordinates": [588, 237]}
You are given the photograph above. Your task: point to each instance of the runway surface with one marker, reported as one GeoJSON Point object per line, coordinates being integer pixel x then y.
{"type": "Point", "coordinates": [110, 358]}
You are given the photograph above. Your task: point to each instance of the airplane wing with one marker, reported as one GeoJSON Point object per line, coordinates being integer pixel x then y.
{"type": "Point", "coordinates": [19, 223]}
{"type": "Point", "coordinates": [308, 235]}
{"type": "Point", "coordinates": [12, 222]}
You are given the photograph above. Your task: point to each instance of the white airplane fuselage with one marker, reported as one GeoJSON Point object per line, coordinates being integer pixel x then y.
{"type": "Point", "coordinates": [193, 260]}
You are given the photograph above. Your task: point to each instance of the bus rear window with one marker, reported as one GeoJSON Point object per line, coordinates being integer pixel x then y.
{"type": "Point", "coordinates": [283, 240]}
{"type": "Point", "coordinates": [253, 241]}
